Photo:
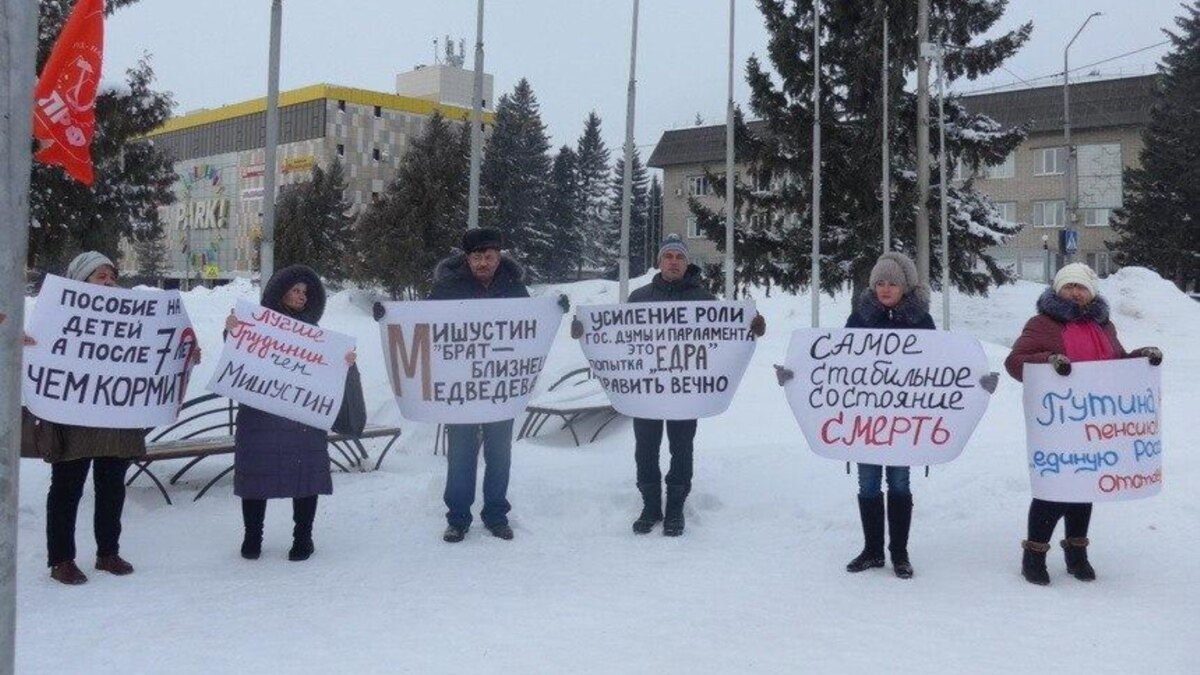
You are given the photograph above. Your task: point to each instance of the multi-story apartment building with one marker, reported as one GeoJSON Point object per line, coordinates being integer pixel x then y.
{"type": "Point", "coordinates": [213, 229]}
{"type": "Point", "coordinates": [1028, 188]}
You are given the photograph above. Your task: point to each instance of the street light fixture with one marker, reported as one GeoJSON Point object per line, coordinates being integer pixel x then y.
{"type": "Point", "coordinates": [1069, 175]}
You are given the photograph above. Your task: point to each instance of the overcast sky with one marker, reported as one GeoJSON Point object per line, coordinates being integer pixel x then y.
{"type": "Point", "coordinates": [574, 52]}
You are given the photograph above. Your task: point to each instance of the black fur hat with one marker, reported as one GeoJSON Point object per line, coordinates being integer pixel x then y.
{"type": "Point", "coordinates": [481, 239]}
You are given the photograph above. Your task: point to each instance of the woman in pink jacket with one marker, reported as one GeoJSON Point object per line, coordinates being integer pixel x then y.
{"type": "Point", "coordinates": [1072, 325]}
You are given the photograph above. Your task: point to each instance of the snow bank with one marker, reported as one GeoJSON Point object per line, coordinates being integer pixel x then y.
{"type": "Point", "coordinates": [755, 585]}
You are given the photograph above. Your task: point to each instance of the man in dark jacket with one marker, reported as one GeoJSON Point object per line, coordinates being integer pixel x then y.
{"type": "Point", "coordinates": [480, 271]}
{"type": "Point", "coordinates": [677, 280]}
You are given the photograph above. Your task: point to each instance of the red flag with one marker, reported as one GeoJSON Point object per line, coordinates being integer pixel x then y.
{"type": "Point", "coordinates": [64, 115]}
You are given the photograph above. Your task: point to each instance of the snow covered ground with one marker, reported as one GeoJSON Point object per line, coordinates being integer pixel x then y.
{"type": "Point", "coordinates": [756, 585]}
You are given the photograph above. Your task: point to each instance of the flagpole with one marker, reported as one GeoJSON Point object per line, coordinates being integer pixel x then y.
{"type": "Point", "coordinates": [476, 125]}
{"type": "Point", "coordinates": [729, 158]}
{"type": "Point", "coordinates": [18, 49]}
{"type": "Point", "coordinates": [815, 273]}
{"type": "Point", "coordinates": [267, 247]}
{"type": "Point", "coordinates": [627, 180]}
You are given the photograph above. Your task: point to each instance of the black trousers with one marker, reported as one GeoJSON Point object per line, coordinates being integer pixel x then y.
{"type": "Point", "coordinates": [62, 505]}
{"type": "Point", "coordinates": [648, 437]}
{"type": "Point", "coordinates": [1044, 516]}
{"type": "Point", "coordinates": [304, 511]}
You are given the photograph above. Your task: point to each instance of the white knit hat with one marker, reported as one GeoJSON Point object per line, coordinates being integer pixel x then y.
{"type": "Point", "coordinates": [87, 262]}
{"type": "Point", "coordinates": [1076, 273]}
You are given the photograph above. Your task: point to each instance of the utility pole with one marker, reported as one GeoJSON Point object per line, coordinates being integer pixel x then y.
{"type": "Point", "coordinates": [267, 247]}
{"type": "Point", "coordinates": [729, 176]}
{"type": "Point", "coordinates": [1070, 182]}
{"type": "Point", "coordinates": [923, 143]}
{"type": "Point", "coordinates": [476, 124]}
{"type": "Point", "coordinates": [886, 171]}
{"type": "Point", "coordinates": [627, 180]}
{"type": "Point", "coordinates": [18, 49]}
{"type": "Point", "coordinates": [943, 180]}
{"type": "Point", "coordinates": [815, 272]}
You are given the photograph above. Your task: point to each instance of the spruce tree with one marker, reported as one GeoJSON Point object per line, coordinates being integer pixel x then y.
{"type": "Point", "coordinates": [564, 216]}
{"type": "Point", "coordinates": [594, 172]}
{"type": "Point", "coordinates": [639, 214]}
{"type": "Point", "coordinates": [421, 216]}
{"type": "Point", "coordinates": [654, 222]}
{"type": "Point", "coordinates": [1159, 225]}
{"type": "Point", "coordinates": [311, 226]}
{"type": "Point", "coordinates": [773, 235]}
{"type": "Point", "coordinates": [151, 250]}
{"type": "Point", "coordinates": [515, 179]}
{"type": "Point", "coordinates": [133, 177]}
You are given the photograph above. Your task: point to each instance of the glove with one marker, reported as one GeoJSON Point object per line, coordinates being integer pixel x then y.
{"type": "Point", "coordinates": [576, 328]}
{"type": "Point", "coordinates": [564, 302]}
{"type": "Point", "coordinates": [758, 325]}
{"type": "Point", "coordinates": [377, 311]}
{"type": "Point", "coordinates": [782, 375]}
{"type": "Point", "coordinates": [1060, 364]}
{"type": "Point", "coordinates": [989, 382]}
{"type": "Point", "coordinates": [1152, 353]}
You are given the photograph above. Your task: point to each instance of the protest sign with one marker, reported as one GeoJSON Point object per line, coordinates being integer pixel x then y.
{"type": "Point", "coordinates": [889, 397]}
{"type": "Point", "coordinates": [1095, 434]}
{"type": "Point", "coordinates": [668, 360]}
{"type": "Point", "coordinates": [283, 366]}
{"type": "Point", "coordinates": [467, 361]}
{"type": "Point", "coordinates": [107, 357]}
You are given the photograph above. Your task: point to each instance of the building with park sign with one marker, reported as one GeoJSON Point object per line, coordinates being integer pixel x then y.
{"type": "Point", "coordinates": [212, 231]}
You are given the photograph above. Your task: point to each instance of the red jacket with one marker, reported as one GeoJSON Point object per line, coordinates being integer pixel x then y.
{"type": "Point", "coordinates": [1042, 335]}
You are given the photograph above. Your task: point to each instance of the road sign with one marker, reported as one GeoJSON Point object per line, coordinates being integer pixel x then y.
{"type": "Point", "coordinates": [1068, 241]}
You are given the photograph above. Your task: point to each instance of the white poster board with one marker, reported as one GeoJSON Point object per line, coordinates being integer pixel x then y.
{"type": "Point", "coordinates": [467, 361]}
{"type": "Point", "coordinates": [283, 366]}
{"type": "Point", "coordinates": [887, 397]}
{"type": "Point", "coordinates": [1094, 435]}
{"type": "Point", "coordinates": [107, 357]}
{"type": "Point", "coordinates": [668, 360]}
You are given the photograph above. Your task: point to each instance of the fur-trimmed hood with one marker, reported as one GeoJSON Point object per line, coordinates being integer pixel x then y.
{"type": "Point", "coordinates": [912, 309]}
{"type": "Point", "coordinates": [452, 280]}
{"type": "Point", "coordinates": [1065, 311]}
{"type": "Point", "coordinates": [283, 280]}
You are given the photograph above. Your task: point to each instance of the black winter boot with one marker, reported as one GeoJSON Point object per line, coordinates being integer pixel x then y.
{"type": "Point", "coordinates": [673, 515]}
{"type": "Point", "coordinates": [1033, 562]}
{"type": "Point", "coordinates": [304, 510]}
{"type": "Point", "coordinates": [1075, 550]}
{"type": "Point", "coordinates": [870, 512]}
{"type": "Point", "coordinates": [254, 511]}
{"type": "Point", "coordinates": [899, 517]}
{"type": "Point", "coordinates": [651, 508]}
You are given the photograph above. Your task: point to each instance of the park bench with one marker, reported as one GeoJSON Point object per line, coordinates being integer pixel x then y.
{"type": "Point", "coordinates": [575, 398]}
{"type": "Point", "coordinates": [192, 438]}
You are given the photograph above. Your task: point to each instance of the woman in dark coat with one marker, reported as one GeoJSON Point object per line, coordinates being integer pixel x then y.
{"type": "Point", "coordinates": [274, 457]}
{"type": "Point", "coordinates": [1072, 324]}
{"type": "Point", "coordinates": [896, 300]}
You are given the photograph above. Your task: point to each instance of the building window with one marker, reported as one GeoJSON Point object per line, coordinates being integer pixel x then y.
{"type": "Point", "coordinates": [1004, 169]}
{"type": "Point", "coordinates": [760, 181]}
{"type": "Point", "coordinates": [1051, 162]}
{"type": "Point", "coordinates": [1100, 262]}
{"type": "Point", "coordinates": [378, 111]}
{"type": "Point", "coordinates": [375, 154]}
{"type": "Point", "coordinates": [1050, 213]}
{"type": "Point", "coordinates": [341, 105]}
{"type": "Point", "coordinates": [698, 186]}
{"type": "Point", "coordinates": [693, 228]}
{"type": "Point", "coordinates": [1007, 211]}
{"type": "Point", "coordinates": [341, 150]}
{"type": "Point", "coordinates": [1096, 217]}
{"type": "Point", "coordinates": [958, 172]}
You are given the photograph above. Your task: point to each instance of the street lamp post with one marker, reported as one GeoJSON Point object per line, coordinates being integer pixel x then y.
{"type": "Point", "coordinates": [476, 125]}
{"type": "Point", "coordinates": [1069, 187]}
{"type": "Point", "coordinates": [1046, 255]}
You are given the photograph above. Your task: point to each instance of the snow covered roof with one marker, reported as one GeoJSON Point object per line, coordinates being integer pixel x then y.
{"type": "Point", "coordinates": [694, 145]}
{"type": "Point", "coordinates": [1106, 103]}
